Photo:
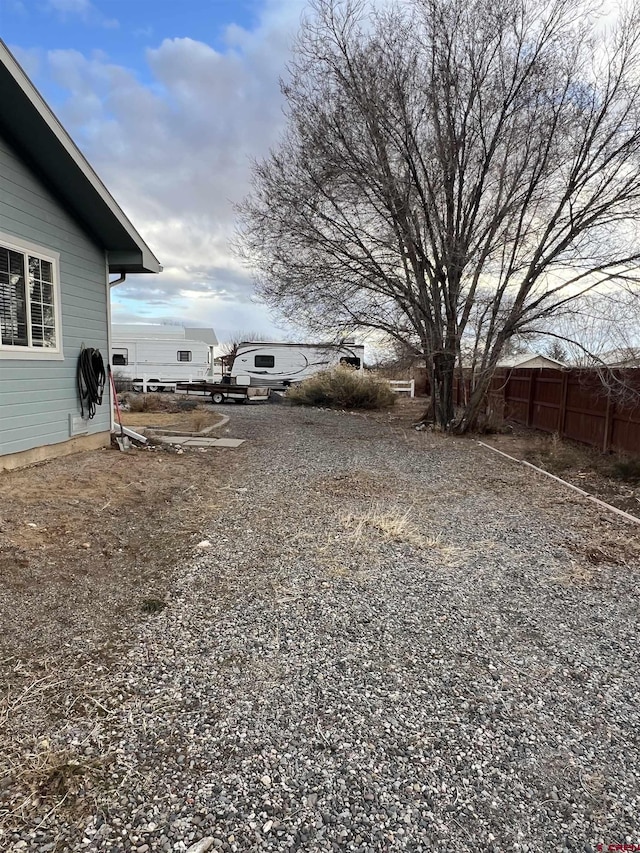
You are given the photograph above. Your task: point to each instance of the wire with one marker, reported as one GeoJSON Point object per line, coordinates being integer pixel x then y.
{"type": "Point", "coordinates": [91, 378]}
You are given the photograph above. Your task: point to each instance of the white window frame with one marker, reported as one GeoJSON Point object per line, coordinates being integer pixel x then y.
{"type": "Point", "coordinates": [26, 248]}
{"type": "Point", "coordinates": [264, 366]}
{"type": "Point", "coordinates": [184, 360]}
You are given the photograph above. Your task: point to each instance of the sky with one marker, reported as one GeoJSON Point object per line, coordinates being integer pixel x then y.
{"type": "Point", "coordinates": [170, 102]}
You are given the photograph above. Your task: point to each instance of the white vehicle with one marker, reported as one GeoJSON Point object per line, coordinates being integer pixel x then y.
{"type": "Point", "coordinates": [279, 365]}
{"type": "Point", "coordinates": [155, 357]}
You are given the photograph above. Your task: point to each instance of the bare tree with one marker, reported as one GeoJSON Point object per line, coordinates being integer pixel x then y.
{"type": "Point", "coordinates": [601, 332]}
{"type": "Point", "coordinates": [229, 348]}
{"type": "Point", "coordinates": [598, 328]}
{"type": "Point", "coordinates": [453, 174]}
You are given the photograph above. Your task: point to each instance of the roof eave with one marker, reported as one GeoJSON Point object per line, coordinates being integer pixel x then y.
{"type": "Point", "coordinates": [133, 262]}
{"type": "Point", "coordinates": [44, 142]}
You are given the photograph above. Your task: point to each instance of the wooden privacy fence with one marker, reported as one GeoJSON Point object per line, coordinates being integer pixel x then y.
{"type": "Point", "coordinates": [573, 403]}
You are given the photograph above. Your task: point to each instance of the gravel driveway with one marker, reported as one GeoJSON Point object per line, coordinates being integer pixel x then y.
{"type": "Point", "coordinates": [394, 642]}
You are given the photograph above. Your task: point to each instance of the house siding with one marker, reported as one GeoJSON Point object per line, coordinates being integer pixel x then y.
{"type": "Point", "coordinates": [37, 397]}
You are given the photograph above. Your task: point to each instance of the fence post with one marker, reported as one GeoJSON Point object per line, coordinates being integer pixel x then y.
{"type": "Point", "coordinates": [532, 385]}
{"type": "Point", "coordinates": [562, 413]}
{"type": "Point", "coordinates": [608, 423]}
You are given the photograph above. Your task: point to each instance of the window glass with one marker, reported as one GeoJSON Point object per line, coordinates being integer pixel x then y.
{"type": "Point", "coordinates": [264, 361]}
{"type": "Point", "coordinates": [120, 357]}
{"type": "Point", "coordinates": [184, 355]}
{"type": "Point", "coordinates": [13, 301]}
{"type": "Point", "coordinates": [352, 362]}
{"type": "Point", "coordinates": [27, 304]}
{"type": "Point", "coordinates": [43, 333]}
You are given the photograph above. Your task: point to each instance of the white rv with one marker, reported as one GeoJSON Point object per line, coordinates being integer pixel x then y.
{"type": "Point", "coordinates": [279, 365]}
{"type": "Point", "coordinates": [155, 357]}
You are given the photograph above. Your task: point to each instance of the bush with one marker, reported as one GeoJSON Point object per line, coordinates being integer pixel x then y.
{"type": "Point", "coordinates": [151, 403]}
{"type": "Point", "coordinates": [343, 388]}
{"type": "Point", "coordinates": [627, 469]}
{"type": "Point", "coordinates": [122, 383]}
{"type": "Point", "coordinates": [558, 456]}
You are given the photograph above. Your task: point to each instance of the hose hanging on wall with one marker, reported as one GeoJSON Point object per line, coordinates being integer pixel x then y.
{"type": "Point", "coordinates": [91, 378]}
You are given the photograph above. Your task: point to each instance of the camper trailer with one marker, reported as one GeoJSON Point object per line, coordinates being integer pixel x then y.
{"type": "Point", "coordinates": [278, 365]}
{"type": "Point", "coordinates": [155, 357]}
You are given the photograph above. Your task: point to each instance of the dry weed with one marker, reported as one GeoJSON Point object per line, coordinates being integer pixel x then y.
{"type": "Point", "coordinates": [574, 574]}
{"type": "Point", "coordinates": [389, 524]}
{"type": "Point", "coordinates": [394, 525]}
{"type": "Point", "coordinates": [200, 420]}
{"type": "Point", "coordinates": [48, 778]}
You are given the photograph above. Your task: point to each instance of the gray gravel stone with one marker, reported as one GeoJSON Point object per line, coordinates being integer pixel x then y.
{"type": "Point", "coordinates": [389, 646]}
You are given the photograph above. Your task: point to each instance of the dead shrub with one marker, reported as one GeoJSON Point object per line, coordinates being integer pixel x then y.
{"type": "Point", "coordinates": [50, 778]}
{"type": "Point", "coordinates": [186, 405]}
{"type": "Point", "coordinates": [627, 469]}
{"type": "Point", "coordinates": [152, 403]}
{"type": "Point", "coordinates": [343, 388]}
{"type": "Point", "coordinates": [557, 456]}
{"type": "Point", "coordinates": [200, 420]}
{"type": "Point", "coordinates": [490, 423]}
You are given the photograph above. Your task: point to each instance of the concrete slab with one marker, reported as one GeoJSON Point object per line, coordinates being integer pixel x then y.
{"type": "Point", "coordinates": [200, 441]}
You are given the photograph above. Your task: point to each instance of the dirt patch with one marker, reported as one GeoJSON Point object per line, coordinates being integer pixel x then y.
{"type": "Point", "coordinates": [358, 483]}
{"type": "Point", "coordinates": [87, 548]}
{"type": "Point", "coordinates": [609, 477]}
{"type": "Point", "coordinates": [188, 421]}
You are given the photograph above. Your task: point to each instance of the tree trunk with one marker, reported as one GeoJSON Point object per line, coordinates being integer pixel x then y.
{"type": "Point", "coordinates": [469, 417]}
{"type": "Point", "coordinates": [442, 373]}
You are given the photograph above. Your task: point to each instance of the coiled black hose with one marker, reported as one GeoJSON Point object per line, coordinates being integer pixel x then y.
{"type": "Point", "coordinates": [91, 378]}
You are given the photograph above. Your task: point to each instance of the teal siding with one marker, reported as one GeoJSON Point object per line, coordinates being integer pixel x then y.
{"type": "Point", "coordinates": [38, 396]}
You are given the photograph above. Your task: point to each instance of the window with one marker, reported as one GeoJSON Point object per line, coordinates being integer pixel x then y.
{"type": "Point", "coordinates": [184, 355]}
{"type": "Point", "coordinates": [120, 357]}
{"type": "Point", "coordinates": [28, 299]}
{"type": "Point", "coordinates": [264, 361]}
{"type": "Point", "coordinates": [351, 362]}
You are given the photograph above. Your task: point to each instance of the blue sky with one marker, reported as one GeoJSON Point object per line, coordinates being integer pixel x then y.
{"type": "Point", "coordinates": [169, 101]}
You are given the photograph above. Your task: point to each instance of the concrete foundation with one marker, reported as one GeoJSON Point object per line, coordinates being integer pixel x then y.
{"type": "Point", "coordinates": [53, 451]}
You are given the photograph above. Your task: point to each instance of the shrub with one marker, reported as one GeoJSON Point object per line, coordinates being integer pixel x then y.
{"type": "Point", "coordinates": [343, 388]}
{"type": "Point", "coordinates": [557, 456]}
{"type": "Point", "coordinates": [186, 405]}
{"type": "Point", "coordinates": [121, 382]}
{"type": "Point", "coordinates": [627, 469]}
{"type": "Point", "coordinates": [151, 403]}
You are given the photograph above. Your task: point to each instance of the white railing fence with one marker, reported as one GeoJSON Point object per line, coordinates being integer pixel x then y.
{"type": "Point", "coordinates": [403, 386]}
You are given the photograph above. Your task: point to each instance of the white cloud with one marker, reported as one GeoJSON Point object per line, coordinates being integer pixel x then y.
{"type": "Point", "coordinates": [176, 155]}
{"type": "Point", "coordinates": [78, 7]}
{"type": "Point", "coordinates": [82, 9]}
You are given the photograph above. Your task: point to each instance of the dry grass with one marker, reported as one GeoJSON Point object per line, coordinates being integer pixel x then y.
{"type": "Point", "coordinates": [393, 525]}
{"type": "Point", "coordinates": [556, 456]}
{"type": "Point", "coordinates": [87, 546]}
{"type": "Point", "coordinates": [612, 478]}
{"type": "Point", "coordinates": [365, 530]}
{"type": "Point", "coordinates": [54, 778]}
{"type": "Point", "coordinates": [189, 421]}
{"type": "Point", "coordinates": [575, 574]}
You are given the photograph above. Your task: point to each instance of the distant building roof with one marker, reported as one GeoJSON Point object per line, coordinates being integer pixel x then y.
{"type": "Point", "coordinates": [531, 359]}
{"type": "Point", "coordinates": [151, 331]}
{"type": "Point", "coordinates": [207, 336]}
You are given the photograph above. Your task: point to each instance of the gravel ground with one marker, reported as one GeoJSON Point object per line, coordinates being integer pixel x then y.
{"type": "Point", "coordinates": [394, 641]}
